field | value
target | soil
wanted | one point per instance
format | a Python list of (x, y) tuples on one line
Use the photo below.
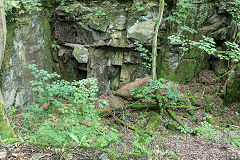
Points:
[(168, 143)]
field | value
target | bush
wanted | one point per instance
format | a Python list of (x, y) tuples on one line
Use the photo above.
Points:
[(169, 92), (65, 114)]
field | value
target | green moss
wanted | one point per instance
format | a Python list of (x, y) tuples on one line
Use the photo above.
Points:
[(193, 120), (186, 115), (9, 45), (164, 70), (48, 60), (186, 71), (211, 120), (172, 125), (193, 100), (48, 3), (5, 130), (154, 122), (194, 53), (140, 37), (232, 91)]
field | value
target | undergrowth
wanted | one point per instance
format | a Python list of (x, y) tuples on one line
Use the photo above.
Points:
[(65, 115)]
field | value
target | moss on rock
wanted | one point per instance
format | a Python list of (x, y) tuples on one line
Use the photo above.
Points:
[(5, 129), (154, 122), (172, 125), (9, 45), (185, 71), (48, 60), (232, 89)]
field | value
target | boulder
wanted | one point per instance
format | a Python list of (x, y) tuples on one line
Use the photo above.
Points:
[(232, 88)]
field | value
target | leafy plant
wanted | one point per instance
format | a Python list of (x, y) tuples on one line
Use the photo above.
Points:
[(169, 92), (184, 18), (16, 8), (70, 104), (233, 7), (141, 142), (147, 56), (185, 130), (210, 133), (55, 46), (101, 13)]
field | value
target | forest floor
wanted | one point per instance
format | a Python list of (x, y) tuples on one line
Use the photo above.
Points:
[(171, 142)]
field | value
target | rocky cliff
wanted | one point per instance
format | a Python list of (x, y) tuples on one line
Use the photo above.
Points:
[(27, 43), (97, 39)]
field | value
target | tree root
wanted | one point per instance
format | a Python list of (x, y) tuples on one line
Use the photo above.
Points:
[(135, 105), (180, 107), (138, 105), (174, 117), (154, 122), (125, 124), (127, 96), (193, 99)]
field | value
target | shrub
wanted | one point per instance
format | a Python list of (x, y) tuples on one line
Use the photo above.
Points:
[(65, 114)]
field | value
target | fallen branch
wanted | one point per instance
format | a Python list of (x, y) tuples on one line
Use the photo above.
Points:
[(228, 72), (192, 109), (125, 124), (179, 107), (174, 117), (127, 96), (135, 105), (193, 100)]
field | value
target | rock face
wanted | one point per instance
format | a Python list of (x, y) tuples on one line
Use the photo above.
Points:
[(97, 39), (2, 33), (5, 129), (26, 44), (100, 37), (232, 88), (98, 44)]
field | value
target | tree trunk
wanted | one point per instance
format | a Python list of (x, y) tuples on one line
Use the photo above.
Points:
[(154, 46), (154, 51)]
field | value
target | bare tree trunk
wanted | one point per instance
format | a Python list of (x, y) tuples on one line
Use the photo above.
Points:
[(154, 46), (154, 51)]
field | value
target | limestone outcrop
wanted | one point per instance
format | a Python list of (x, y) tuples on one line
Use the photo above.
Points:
[(97, 39), (29, 43)]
